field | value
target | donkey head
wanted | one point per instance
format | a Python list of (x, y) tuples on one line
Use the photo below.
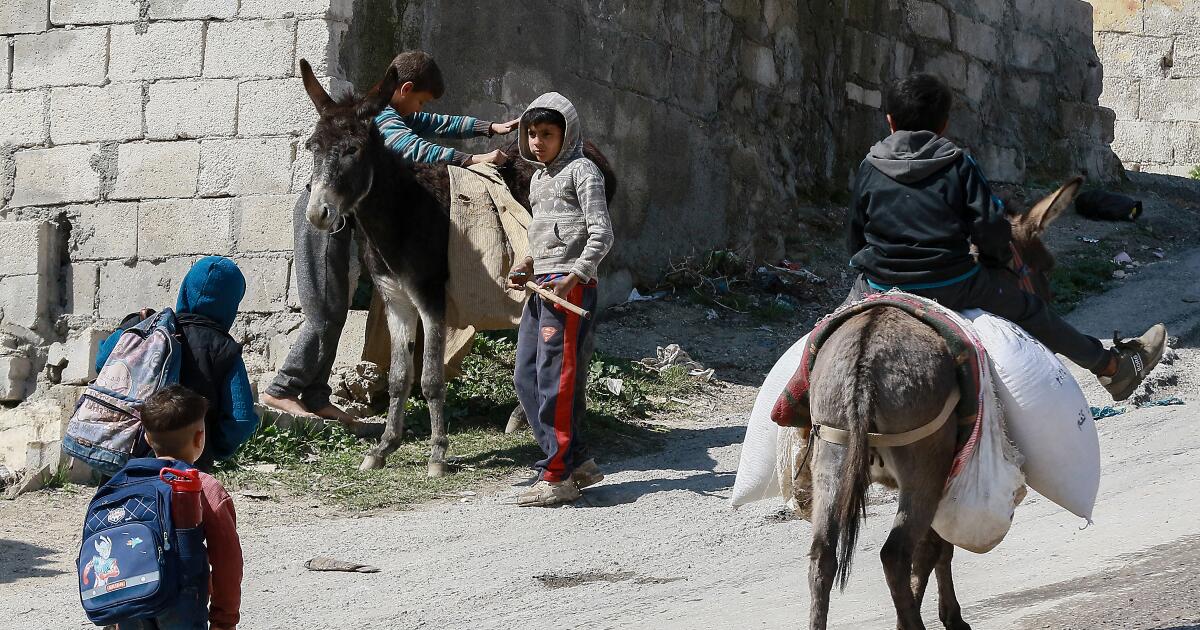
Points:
[(342, 169), (1031, 257)]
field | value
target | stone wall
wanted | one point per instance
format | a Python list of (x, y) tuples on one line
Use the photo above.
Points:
[(141, 134), (1151, 55)]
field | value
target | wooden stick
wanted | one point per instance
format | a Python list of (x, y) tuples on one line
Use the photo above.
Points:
[(549, 295)]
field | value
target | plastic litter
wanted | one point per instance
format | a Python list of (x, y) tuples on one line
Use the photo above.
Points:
[(1123, 259), (1107, 411), (1163, 402), (674, 356)]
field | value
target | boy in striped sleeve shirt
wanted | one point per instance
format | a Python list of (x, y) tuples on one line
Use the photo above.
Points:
[(322, 259)]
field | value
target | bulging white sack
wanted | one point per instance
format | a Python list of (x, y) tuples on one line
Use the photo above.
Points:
[(1047, 415), (977, 509), (757, 478)]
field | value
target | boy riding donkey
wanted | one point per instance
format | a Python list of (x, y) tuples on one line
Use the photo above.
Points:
[(323, 258), (920, 203)]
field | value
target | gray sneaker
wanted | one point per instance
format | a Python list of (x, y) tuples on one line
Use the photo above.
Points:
[(587, 474), (1135, 359)]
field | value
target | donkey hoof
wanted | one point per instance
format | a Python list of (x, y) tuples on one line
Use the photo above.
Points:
[(438, 469), (372, 462)]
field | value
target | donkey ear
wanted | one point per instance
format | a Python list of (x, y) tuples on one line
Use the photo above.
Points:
[(316, 91), (1050, 207), (379, 95)]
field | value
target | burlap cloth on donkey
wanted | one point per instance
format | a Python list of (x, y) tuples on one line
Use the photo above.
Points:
[(488, 234)]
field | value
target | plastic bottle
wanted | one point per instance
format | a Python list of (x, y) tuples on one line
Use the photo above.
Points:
[(186, 511)]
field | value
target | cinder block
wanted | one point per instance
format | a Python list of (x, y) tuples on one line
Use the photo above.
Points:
[(1185, 140), (178, 227), (1186, 60), (191, 109), (14, 377), (157, 169), (927, 19), (76, 357), (265, 222), (1116, 16), (250, 48), (103, 231), (23, 16), (5, 70), (266, 284), (353, 339), (293, 296), (246, 166), (1121, 96), (161, 50), (1132, 56), (93, 11), (1169, 18), (870, 98), (60, 57), (1133, 142), (96, 114), (302, 168), (1002, 164), (319, 41), (758, 64), (976, 39), (979, 83), (951, 67), (82, 281), (24, 117), (24, 301), (57, 175), (274, 106), (125, 289), (282, 8), (192, 9), (24, 247), (1170, 100)]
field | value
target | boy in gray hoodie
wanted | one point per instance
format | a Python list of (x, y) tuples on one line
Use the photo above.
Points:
[(569, 236)]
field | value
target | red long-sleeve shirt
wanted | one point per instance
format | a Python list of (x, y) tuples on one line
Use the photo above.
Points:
[(224, 554)]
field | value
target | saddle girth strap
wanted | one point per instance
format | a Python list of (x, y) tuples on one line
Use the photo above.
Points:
[(889, 440)]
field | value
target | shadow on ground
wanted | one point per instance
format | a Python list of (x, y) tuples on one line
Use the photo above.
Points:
[(20, 560)]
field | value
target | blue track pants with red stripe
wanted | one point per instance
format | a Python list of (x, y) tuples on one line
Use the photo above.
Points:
[(553, 350)]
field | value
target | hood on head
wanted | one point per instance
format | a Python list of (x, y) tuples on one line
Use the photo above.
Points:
[(572, 146), (910, 156), (213, 288)]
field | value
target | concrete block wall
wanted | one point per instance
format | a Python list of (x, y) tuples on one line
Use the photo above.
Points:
[(1151, 55), (142, 134), (138, 136)]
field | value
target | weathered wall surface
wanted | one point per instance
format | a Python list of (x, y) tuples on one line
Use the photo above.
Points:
[(1151, 55), (141, 134)]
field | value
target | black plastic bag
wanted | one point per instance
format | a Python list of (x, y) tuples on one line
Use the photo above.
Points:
[(1106, 206)]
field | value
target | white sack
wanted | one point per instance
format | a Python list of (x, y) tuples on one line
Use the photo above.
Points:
[(1047, 415), (756, 474)]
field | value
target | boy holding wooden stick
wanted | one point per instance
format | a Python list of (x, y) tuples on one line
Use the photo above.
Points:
[(569, 236)]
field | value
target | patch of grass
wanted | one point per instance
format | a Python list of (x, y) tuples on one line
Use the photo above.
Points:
[(1079, 275), (323, 462), (1195, 172)]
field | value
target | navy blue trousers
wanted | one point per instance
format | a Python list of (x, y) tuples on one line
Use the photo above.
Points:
[(553, 351)]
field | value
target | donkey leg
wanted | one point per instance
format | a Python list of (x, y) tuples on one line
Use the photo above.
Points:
[(926, 556), (433, 387), (826, 462), (402, 326), (948, 609), (913, 519)]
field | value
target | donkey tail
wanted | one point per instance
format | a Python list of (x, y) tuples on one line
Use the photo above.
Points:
[(855, 474)]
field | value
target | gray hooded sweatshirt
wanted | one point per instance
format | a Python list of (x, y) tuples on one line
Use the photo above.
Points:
[(571, 231)]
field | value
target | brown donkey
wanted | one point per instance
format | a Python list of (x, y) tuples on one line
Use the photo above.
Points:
[(884, 371)]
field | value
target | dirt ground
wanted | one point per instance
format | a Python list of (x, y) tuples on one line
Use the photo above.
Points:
[(656, 545)]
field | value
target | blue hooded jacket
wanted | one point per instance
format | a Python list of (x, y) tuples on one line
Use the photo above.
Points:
[(213, 288)]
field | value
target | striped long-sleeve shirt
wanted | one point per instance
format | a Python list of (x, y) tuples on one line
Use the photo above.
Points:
[(402, 134)]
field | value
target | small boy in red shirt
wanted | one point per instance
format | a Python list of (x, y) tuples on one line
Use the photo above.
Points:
[(173, 419)]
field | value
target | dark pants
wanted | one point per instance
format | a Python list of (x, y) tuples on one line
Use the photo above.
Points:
[(553, 351), (996, 292), (322, 261)]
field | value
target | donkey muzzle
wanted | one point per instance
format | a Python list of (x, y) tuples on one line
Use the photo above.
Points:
[(321, 213)]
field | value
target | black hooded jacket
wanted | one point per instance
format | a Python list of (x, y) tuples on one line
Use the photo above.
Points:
[(919, 203)]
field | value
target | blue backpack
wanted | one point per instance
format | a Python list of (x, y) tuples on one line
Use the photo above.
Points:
[(133, 562), (106, 427)]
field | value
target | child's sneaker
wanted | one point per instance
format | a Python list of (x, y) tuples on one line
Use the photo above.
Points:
[(1135, 359), (587, 474), (549, 493)]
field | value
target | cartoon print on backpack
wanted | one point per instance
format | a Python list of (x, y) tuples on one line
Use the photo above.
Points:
[(103, 565)]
